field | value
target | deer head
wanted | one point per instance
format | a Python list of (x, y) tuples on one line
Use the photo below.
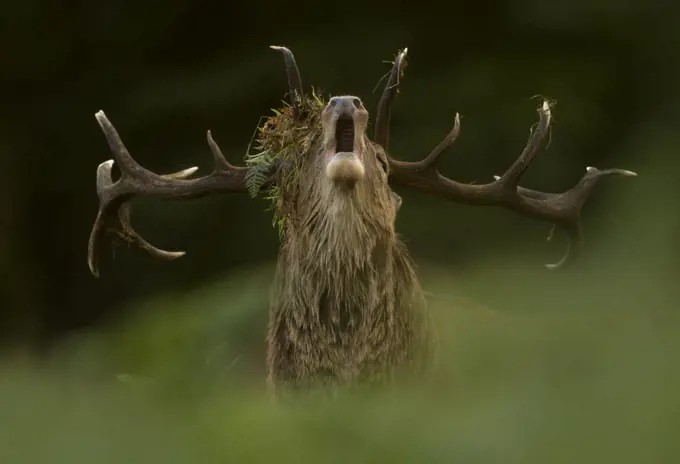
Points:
[(344, 167)]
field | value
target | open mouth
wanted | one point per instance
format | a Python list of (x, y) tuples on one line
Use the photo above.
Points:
[(344, 167), (344, 135)]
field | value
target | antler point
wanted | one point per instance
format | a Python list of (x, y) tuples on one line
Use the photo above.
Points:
[(211, 140), (102, 119), (93, 268)]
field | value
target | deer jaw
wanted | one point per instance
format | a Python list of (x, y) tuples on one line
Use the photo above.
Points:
[(344, 122)]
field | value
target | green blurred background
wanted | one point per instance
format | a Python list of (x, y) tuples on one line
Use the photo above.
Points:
[(164, 361)]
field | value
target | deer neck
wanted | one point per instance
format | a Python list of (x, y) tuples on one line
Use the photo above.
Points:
[(347, 231)]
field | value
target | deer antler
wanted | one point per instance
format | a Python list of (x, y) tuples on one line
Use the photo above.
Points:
[(294, 80), (114, 213), (562, 209), (384, 113), (114, 209)]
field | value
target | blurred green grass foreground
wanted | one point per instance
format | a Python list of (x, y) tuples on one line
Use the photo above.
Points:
[(587, 379)]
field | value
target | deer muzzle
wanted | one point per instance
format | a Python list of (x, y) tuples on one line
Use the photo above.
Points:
[(345, 168), (347, 118)]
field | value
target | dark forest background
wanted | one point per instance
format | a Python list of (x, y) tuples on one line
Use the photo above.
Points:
[(578, 365), (166, 72)]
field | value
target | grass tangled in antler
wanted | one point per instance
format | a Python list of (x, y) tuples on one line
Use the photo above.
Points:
[(285, 140)]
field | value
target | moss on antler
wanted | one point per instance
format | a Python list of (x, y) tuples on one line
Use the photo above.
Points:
[(285, 140)]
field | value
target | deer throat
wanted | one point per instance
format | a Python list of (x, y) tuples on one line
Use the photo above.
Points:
[(346, 226), (340, 256), (348, 281)]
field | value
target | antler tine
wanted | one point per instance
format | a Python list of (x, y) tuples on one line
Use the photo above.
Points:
[(116, 218), (511, 177), (574, 246), (294, 80), (384, 112), (576, 198), (114, 212), (183, 174), (562, 209)]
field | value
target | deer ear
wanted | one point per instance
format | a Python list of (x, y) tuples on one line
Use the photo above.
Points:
[(397, 201), (382, 160), (383, 164)]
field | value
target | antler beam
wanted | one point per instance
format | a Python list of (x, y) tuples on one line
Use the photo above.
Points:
[(562, 209), (114, 210), (135, 180)]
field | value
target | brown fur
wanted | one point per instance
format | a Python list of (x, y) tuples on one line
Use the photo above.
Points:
[(347, 306)]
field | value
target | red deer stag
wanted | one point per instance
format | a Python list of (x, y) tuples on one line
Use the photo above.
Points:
[(346, 304)]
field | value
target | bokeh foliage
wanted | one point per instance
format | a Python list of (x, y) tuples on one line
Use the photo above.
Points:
[(159, 361), (596, 383)]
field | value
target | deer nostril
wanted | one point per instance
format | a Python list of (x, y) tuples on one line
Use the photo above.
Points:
[(357, 103), (333, 102)]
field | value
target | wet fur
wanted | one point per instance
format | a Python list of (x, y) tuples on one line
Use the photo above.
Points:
[(347, 307)]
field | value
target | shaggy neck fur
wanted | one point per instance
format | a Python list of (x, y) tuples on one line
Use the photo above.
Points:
[(347, 305)]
